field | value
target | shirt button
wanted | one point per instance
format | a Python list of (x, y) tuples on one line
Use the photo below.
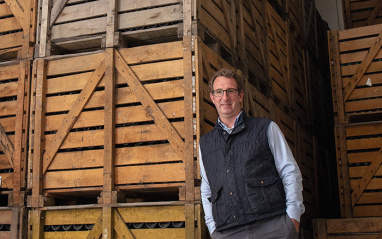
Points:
[(262, 182), (230, 193), (227, 170), (234, 216)]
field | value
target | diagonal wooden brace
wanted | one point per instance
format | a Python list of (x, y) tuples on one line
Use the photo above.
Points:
[(377, 9), (71, 117), (96, 231), (149, 104), (18, 12), (6, 145), (58, 6), (228, 22), (120, 226), (367, 176), (375, 48)]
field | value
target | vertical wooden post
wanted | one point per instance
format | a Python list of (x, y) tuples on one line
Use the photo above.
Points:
[(37, 223), (45, 29), (38, 133), (342, 160), (108, 196), (14, 223), (18, 143), (112, 13)]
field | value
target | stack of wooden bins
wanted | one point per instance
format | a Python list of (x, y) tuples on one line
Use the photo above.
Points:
[(17, 38), (17, 29), (361, 13), (356, 82), (120, 99), (14, 104)]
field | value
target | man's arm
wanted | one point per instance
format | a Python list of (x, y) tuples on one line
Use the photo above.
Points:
[(289, 173), (206, 193)]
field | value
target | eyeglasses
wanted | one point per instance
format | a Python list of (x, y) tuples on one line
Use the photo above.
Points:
[(220, 92)]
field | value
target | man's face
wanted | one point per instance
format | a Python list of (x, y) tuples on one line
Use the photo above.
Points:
[(227, 106)]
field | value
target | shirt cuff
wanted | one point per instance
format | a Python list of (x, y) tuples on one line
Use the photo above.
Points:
[(294, 213)]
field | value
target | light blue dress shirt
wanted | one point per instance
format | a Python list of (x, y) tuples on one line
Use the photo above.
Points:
[(286, 167)]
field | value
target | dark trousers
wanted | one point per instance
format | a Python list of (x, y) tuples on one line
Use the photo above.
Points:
[(281, 227)]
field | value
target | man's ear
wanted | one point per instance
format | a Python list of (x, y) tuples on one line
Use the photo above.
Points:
[(212, 97), (241, 95)]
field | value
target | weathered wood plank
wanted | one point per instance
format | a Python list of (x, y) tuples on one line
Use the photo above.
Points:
[(173, 89), (71, 216), (124, 156), (156, 173), (152, 214), (132, 134), (124, 115)]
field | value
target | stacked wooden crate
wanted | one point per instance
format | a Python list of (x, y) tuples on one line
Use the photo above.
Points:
[(120, 98), (17, 29), (361, 13), (17, 38), (14, 105), (355, 56)]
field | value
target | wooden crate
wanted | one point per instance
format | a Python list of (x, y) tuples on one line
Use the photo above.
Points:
[(355, 57), (215, 23), (14, 105), (74, 26), (361, 13), (13, 222), (17, 29), (278, 56), (349, 228), (252, 40), (155, 221), (151, 92), (78, 26), (359, 171)]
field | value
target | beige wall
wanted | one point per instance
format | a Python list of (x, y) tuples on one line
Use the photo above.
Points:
[(331, 11)]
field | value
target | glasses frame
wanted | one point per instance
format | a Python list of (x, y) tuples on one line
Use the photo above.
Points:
[(234, 92)]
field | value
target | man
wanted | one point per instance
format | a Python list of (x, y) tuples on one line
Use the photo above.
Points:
[(251, 184)]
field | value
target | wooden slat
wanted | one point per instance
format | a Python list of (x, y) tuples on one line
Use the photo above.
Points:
[(18, 12), (363, 67), (124, 115), (133, 134), (124, 156), (151, 107), (152, 214), (7, 146), (11, 40), (70, 119), (136, 174), (72, 216)]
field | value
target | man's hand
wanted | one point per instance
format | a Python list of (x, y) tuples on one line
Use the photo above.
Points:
[(296, 225)]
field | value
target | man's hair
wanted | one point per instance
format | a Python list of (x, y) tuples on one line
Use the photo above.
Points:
[(229, 74)]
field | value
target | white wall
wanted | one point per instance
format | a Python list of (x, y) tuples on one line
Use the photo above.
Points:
[(331, 11)]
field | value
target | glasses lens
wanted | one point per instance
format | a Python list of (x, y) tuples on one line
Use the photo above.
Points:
[(218, 92), (231, 92)]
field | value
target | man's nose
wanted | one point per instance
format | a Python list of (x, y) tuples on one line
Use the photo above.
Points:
[(225, 95)]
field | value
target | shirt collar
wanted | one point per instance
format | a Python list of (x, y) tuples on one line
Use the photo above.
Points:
[(238, 120)]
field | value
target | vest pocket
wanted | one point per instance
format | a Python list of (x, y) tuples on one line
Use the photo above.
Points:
[(218, 206), (264, 194)]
